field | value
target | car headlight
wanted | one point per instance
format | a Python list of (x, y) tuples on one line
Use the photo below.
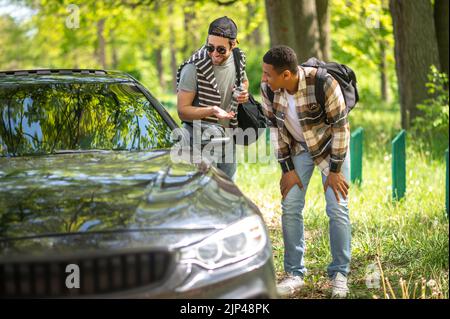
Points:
[(232, 244)]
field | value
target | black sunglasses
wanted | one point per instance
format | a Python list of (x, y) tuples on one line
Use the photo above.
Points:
[(220, 49)]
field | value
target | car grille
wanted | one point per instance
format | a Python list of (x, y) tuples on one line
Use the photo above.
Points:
[(98, 275)]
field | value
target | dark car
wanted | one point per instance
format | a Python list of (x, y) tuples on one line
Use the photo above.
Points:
[(91, 204)]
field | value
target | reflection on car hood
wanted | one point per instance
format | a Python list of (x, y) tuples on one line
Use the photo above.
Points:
[(111, 192), (99, 242)]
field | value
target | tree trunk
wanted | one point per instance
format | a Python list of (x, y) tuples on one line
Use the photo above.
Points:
[(383, 72), (160, 68), (192, 36), (306, 29), (441, 24), (280, 21), (415, 51), (114, 54), (323, 19), (173, 56), (384, 86), (294, 23), (101, 55), (173, 65), (255, 37)]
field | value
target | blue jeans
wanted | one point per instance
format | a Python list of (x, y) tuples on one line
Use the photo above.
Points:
[(292, 221), (229, 168), (222, 163)]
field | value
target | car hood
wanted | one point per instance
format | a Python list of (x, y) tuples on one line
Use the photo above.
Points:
[(101, 199)]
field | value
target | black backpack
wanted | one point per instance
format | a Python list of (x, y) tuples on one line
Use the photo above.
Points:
[(340, 72), (250, 114)]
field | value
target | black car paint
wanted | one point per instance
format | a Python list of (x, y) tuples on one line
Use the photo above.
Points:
[(89, 202)]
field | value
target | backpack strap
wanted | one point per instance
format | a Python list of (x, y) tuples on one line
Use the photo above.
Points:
[(321, 77), (319, 89), (237, 62)]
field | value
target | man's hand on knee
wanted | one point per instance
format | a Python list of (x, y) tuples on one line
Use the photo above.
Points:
[(338, 184), (288, 180)]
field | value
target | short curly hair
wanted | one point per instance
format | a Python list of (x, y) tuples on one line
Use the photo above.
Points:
[(282, 58)]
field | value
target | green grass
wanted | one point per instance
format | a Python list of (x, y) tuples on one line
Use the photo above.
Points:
[(409, 238), (405, 240)]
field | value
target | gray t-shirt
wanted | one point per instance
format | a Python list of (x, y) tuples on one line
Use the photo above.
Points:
[(225, 77)]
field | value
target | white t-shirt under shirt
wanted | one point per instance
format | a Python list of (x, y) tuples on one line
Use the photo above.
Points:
[(291, 120)]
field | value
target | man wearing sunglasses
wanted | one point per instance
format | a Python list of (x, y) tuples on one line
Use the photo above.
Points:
[(206, 82)]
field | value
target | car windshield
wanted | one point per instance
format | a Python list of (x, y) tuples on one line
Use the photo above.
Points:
[(45, 118)]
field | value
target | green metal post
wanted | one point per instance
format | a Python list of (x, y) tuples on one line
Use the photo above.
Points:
[(399, 166), (356, 153)]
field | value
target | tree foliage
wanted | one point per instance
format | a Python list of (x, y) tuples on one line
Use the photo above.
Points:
[(433, 126), (150, 38), (133, 34)]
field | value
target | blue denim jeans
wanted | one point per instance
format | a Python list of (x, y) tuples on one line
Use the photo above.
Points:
[(292, 221), (227, 164), (229, 168)]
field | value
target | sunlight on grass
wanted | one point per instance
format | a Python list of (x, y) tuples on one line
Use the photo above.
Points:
[(409, 238)]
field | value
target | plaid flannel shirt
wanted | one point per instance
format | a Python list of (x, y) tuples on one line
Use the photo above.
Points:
[(326, 135)]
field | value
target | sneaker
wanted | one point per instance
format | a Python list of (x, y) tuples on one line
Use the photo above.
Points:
[(290, 285), (339, 288)]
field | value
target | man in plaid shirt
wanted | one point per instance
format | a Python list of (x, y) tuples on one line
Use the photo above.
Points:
[(308, 135)]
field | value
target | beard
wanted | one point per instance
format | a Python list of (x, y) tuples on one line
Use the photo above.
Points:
[(220, 60)]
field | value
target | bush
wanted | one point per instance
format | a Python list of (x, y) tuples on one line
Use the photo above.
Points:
[(254, 68), (432, 127)]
